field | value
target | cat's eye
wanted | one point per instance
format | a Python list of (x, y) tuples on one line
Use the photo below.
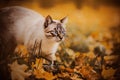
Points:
[(53, 34), (49, 31)]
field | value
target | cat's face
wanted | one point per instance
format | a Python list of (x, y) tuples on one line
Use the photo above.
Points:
[(54, 29)]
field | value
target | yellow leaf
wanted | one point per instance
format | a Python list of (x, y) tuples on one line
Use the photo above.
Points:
[(43, 74), (21, 49), (39, 72), (38, 64)]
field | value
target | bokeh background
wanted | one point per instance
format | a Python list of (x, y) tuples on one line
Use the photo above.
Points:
[(91, 24), (86, 14)]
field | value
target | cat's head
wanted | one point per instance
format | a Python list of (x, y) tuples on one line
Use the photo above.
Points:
[(55, 29)]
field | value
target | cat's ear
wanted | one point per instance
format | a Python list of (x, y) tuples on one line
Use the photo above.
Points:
[(64, 20), (48, 20)]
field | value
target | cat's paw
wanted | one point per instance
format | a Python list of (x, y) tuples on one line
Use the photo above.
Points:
[(53, 64)]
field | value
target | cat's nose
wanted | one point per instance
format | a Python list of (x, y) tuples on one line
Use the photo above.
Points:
[(60, 37)]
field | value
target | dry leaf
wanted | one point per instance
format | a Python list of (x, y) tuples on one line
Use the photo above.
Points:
[(38, 63), (43, 74), (89, 73), (22, 50), (18, 71), (39, 72)]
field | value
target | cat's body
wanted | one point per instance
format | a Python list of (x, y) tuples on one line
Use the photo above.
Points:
[(25, 26)]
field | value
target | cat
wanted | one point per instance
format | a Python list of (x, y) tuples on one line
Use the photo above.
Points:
[(25, 26)]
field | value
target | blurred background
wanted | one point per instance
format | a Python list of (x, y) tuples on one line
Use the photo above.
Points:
[(86, 14)]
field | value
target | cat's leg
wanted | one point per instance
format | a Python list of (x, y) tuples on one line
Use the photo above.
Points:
[(53, 59)]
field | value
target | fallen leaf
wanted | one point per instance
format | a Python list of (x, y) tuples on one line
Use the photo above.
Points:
[(18, 71), (39, 72), (21, 49)]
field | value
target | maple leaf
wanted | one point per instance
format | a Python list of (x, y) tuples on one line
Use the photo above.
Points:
[(39, 72), (18, 71)]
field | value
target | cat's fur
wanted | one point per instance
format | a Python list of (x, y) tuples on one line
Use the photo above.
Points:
[(25, 26)]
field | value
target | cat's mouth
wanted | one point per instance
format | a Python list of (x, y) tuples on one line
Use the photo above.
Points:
[(59, 39)]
